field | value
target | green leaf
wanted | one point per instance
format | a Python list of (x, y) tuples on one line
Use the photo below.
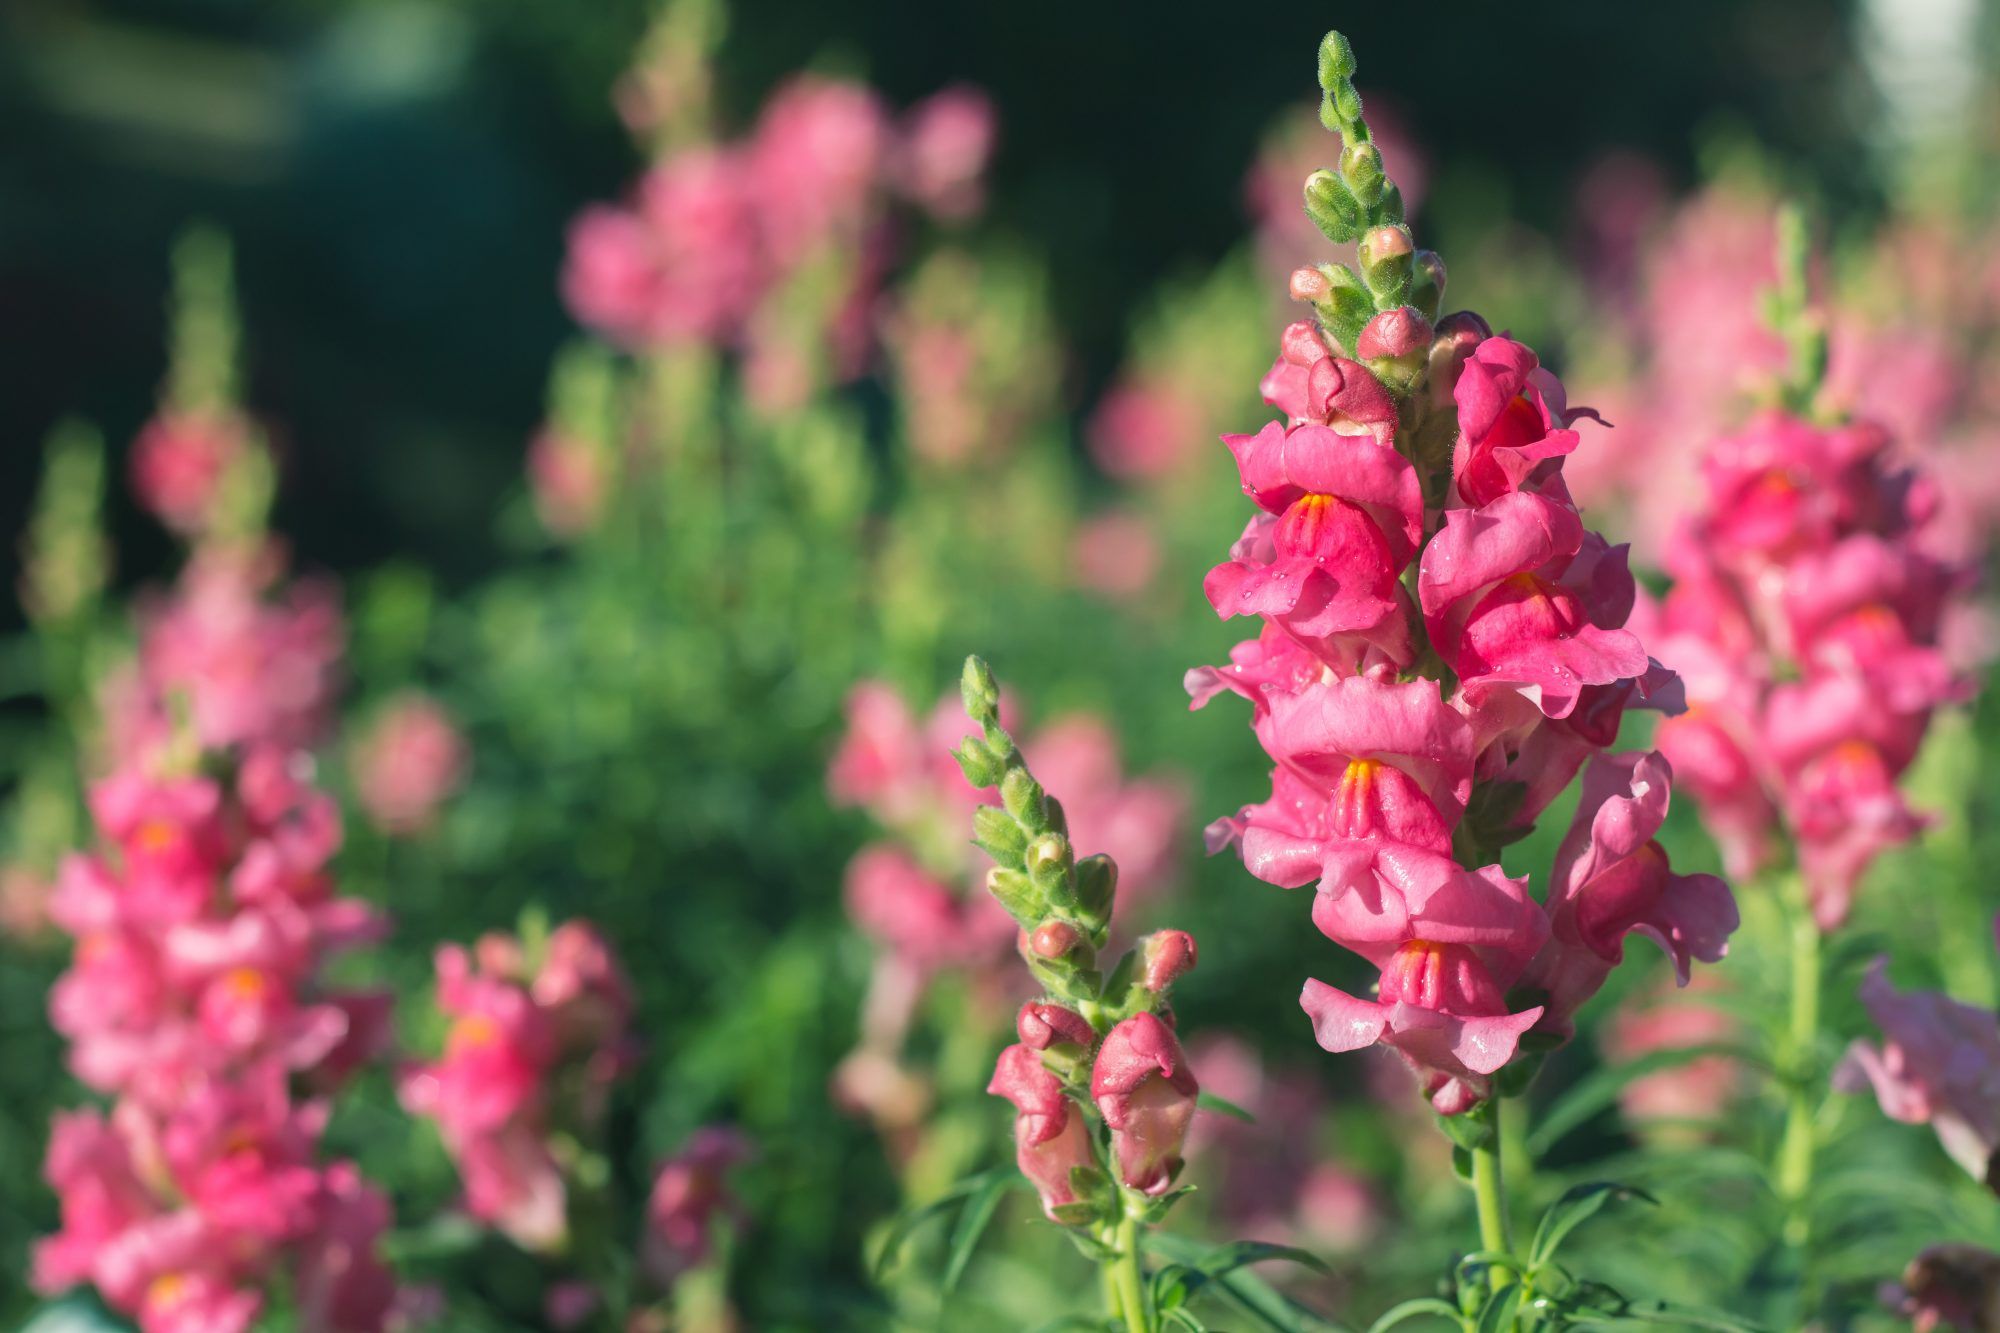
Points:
[(972, 1225), (1248, 1292), (908, 1222), (1600, 1090), (1497, 1315), (1228, 1258), (1208, 1101), (1578, 1205), (1182, 1319), (1408, 1310)]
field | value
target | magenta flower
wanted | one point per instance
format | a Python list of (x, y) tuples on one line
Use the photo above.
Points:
[(682, 263), (1439, 1008), (1051, 1137), (409, 761), (1611, 878), (940, 160), (1347, 516), (1513, 427), (1517, 595), (1145, 1090), (179, 462), (1938, 1064), (690, 1200)]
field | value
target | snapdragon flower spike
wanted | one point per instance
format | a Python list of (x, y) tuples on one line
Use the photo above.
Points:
[(1097, 1041), (1807, 618), (1445, 645)]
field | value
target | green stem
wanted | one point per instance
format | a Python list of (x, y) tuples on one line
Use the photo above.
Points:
[(1795, 1153), (1490, 1191), (1125, 1278)]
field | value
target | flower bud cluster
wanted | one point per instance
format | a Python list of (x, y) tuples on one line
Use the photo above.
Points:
[(1095, 1041)]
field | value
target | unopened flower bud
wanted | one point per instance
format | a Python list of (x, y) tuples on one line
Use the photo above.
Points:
[(1427, 290), (997, 834), (1049, 857), (1332, 206), (1042, 1025), (1168, 955), (982, 767), (1388, 264), (1309, 284), (1054, 939), (1336, 60), (1096, 886), (1146, 1092), (1023, 797), (1015, 892), (1400, 332), (1361, 168), (1300, 343), (980, 692), (1051, 1139)]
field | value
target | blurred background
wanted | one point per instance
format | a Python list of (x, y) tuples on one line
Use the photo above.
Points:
[(398, 176), (648, 634)]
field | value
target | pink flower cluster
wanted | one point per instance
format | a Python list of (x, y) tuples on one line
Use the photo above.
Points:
[(533, 1048), (1805, 620), (194, 1000), (713, 230), (180, 463), (1418, 723), (1140, 1082), (249, 661), (407, 764)]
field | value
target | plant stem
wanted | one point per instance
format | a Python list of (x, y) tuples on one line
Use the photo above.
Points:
[(1490, 1192), (1125, 1278), (1795, 1153)]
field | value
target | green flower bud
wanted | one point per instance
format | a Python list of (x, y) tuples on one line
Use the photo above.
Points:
[(1024, 799), (1017, 893), (1332, 206), (980, 692), (1427, 289), (982, 767), (1361, 169), (999, 836), (1388, 264), (1096, 886), (1336, 60), (1049, 859)]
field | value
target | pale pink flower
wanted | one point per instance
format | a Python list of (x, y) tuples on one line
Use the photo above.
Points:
[(408, 762)]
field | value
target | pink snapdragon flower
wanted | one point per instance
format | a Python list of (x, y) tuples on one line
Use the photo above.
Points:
[(1145, 1090), (252, 663), (691, 1201), (1391, 787), (681, 262), (407, 763), (1938, 1064), (1611, 879), (179, 463), (532, 1049), (945, 143), (1051, 1136)]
